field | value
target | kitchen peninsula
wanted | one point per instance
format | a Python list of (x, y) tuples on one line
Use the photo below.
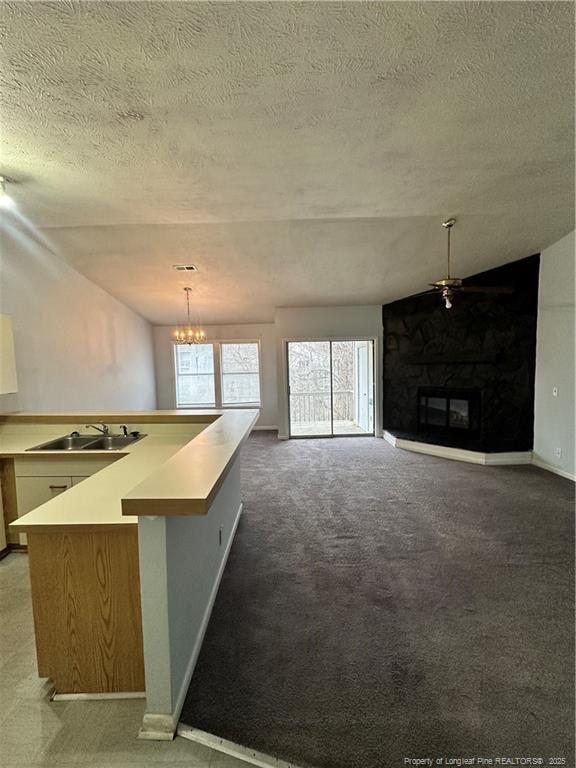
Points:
[(126, 559)]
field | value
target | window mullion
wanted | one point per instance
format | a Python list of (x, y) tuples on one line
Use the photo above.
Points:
[(217, 347)]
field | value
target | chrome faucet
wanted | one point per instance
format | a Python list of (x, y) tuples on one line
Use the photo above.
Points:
[(105, 429), (124, 429)]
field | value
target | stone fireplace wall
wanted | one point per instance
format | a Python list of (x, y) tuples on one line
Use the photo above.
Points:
[(485, 341)]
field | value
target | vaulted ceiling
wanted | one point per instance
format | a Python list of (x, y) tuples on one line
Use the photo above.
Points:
[(297, 153)]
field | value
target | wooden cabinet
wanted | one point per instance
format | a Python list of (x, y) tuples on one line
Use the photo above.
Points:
[(85, 583), (87, 614)]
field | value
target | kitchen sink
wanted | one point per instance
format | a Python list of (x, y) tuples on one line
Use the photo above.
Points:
[(113, 442), (67, 443), (88, 442)]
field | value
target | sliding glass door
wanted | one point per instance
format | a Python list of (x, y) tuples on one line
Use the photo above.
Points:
[(331, 388), (309, 385)]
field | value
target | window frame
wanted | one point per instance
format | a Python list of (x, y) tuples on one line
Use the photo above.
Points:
[(177, 374), (217, 356), (221, 373)]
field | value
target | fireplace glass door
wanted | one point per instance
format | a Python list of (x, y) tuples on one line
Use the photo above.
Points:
[(446, 409), (458, 413)]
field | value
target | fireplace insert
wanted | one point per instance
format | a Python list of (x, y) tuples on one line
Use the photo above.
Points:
[(448, 409)]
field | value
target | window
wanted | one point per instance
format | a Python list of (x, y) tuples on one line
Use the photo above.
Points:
[(195, 375), (218, 374), (240, 373)]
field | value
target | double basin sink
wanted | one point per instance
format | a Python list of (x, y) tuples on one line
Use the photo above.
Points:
[(88, 443)]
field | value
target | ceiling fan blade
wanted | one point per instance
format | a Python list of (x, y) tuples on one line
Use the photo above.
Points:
[(495, 289), (425, 293)]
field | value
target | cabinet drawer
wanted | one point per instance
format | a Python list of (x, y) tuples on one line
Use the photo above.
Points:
[(31, 492)]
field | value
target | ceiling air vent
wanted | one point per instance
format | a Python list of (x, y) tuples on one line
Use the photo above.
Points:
[(185, 267)]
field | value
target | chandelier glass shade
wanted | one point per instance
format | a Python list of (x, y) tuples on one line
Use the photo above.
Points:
[(189, 333)]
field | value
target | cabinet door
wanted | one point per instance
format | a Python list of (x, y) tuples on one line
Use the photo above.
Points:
[(31, 492), (76, 480)]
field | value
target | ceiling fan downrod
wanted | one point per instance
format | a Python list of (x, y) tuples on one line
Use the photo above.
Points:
[(449, 286), (448, 224)]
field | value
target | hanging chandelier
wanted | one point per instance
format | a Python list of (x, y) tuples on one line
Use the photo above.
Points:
[(189, 334)]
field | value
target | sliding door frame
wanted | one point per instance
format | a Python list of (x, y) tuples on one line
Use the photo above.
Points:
[(331, 340), (287, 343)]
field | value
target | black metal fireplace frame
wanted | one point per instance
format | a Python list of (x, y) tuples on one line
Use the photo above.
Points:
[(472, 395)]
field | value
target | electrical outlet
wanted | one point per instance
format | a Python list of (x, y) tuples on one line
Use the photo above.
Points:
[(558, 453), (554, 391)]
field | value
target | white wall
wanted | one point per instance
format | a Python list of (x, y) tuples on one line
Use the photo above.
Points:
[(264, 332), (76, 346), (177, 551), (554, 417), (348, 322)]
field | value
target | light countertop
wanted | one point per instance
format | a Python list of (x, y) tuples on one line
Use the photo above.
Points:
[(176, 469)]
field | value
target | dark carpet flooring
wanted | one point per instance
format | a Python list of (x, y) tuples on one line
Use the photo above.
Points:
[(380, 604)]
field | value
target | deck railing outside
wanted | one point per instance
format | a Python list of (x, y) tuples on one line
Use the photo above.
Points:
[(312, 407)]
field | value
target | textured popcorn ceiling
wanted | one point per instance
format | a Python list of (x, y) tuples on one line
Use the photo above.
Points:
[(298, 153)]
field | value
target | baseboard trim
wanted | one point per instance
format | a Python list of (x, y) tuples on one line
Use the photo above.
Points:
[(389, 437), (551, 468), (283, 437), (476, 457), (98, 696), (162, 726), (460, 454), (508, 458), (4, 553), (264, 429), (22, 548), (230, 748)]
